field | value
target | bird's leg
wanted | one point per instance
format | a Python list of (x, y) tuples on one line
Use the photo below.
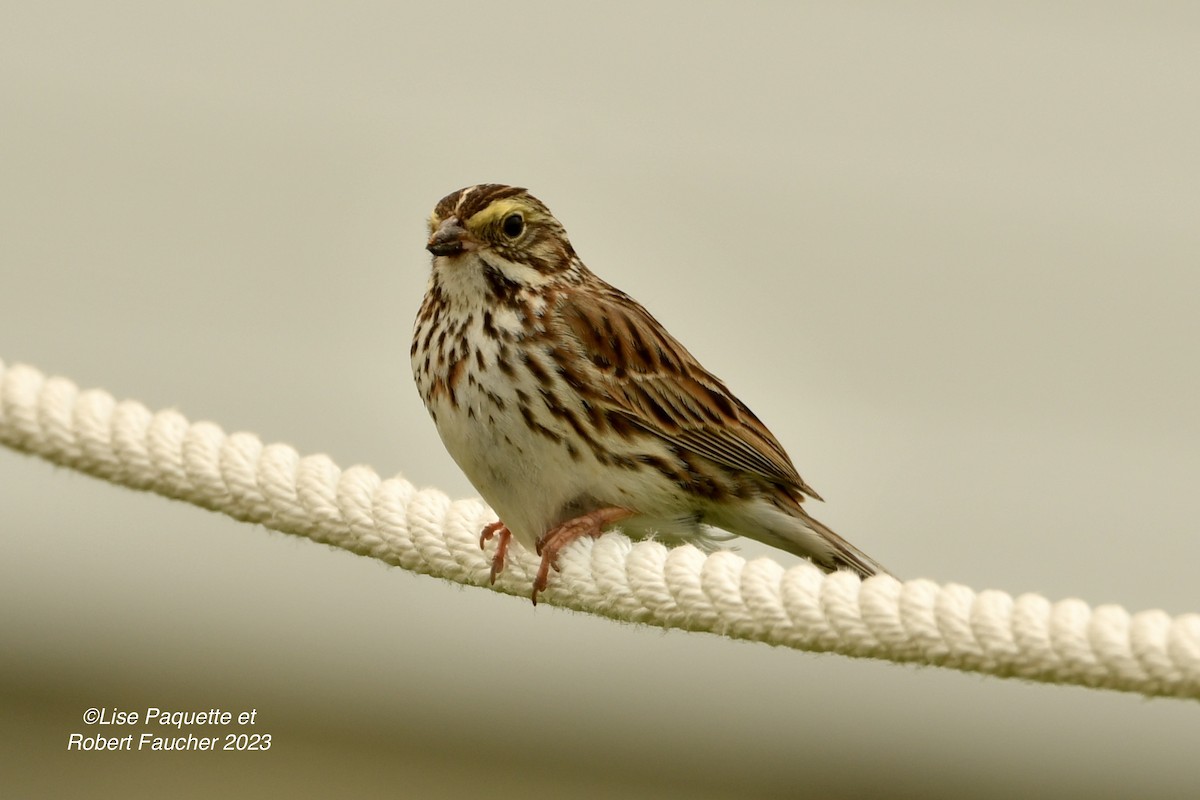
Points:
[(505, 534), (589, 524)]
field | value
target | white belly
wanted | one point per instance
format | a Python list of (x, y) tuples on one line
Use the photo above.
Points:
[(528, 479)]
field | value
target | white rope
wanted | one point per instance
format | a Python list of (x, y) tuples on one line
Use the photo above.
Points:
[(421, 530)]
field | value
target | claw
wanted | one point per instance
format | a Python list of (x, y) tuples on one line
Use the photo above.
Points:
[(501, 554), (548, 546), (490, 530)]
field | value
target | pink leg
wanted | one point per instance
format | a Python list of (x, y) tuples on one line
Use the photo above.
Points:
[(505, 534), (589, 524)]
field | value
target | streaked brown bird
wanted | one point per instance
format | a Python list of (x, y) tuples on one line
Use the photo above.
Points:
[(571, 409)]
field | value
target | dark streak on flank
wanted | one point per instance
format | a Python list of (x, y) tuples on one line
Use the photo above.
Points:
[(502, 361), (535, 367), (489, 326), (657, 463), (700, 481), (496, 400), (531, 421), (453, 376)]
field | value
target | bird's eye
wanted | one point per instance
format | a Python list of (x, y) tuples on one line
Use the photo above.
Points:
[(513, 226)]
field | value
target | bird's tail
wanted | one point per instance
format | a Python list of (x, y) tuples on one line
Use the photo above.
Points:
[(782, 522), (842, 554)]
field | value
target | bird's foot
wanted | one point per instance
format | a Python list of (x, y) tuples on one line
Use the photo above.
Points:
[(548, 547), (496, 528)]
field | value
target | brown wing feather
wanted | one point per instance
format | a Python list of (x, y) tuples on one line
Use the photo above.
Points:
[(653, 381)]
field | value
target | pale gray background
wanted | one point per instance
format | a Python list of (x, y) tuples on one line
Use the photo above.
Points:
[(950, 254)]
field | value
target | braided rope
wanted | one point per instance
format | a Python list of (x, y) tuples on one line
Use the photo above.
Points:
[(423, 531)]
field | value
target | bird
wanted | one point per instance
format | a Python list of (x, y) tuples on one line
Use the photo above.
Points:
[(571, 409)]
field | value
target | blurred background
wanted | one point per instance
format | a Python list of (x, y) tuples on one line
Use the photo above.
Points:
[(948, 253)]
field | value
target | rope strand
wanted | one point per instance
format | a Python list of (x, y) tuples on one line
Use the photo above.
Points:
[(917, 621)]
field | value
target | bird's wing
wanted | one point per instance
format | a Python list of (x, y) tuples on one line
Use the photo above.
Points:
[(649, 378)]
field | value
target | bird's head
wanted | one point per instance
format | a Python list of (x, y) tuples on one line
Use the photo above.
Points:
[(502, 228)]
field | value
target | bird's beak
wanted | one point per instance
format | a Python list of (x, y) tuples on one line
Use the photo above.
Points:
[(450, 239)]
